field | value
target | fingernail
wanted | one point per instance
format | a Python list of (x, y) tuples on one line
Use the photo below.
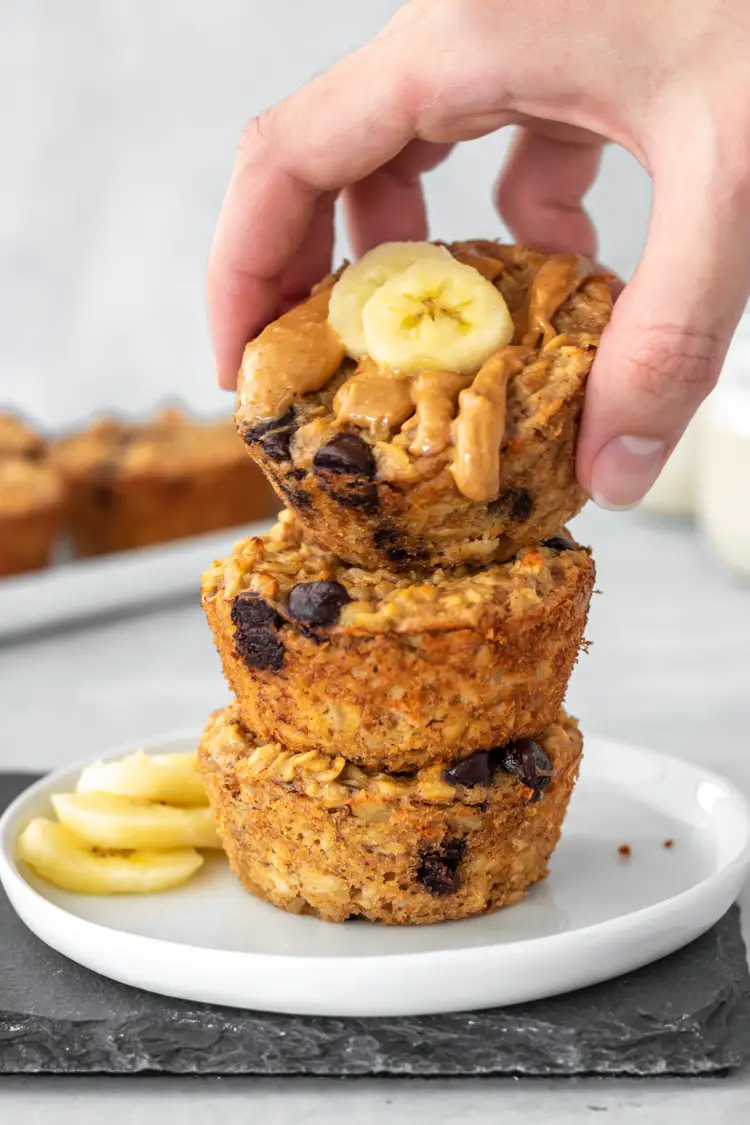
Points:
[(624, 470)]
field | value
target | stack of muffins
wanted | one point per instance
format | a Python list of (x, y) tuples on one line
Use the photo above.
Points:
[(400, 643)]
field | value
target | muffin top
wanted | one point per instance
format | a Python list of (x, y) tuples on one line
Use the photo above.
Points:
[(437, 355), (282, 577), (228, 746), (26, 478), (26, 484), (17, 439), (170, 444)]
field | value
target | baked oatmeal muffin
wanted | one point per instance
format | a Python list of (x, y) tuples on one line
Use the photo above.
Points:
[(313, 833), (132, 485), (421, 408), (32, 499), (395, 670), (18, 439)]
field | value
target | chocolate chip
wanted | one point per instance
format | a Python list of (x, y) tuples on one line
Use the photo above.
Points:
[(526, 759), (438, 871), (397, 554), (317, 603), (260, 649), (389, 541), (296, 497), (384, 537), (558, 543), (255, 635), (436, 876), (250, 611), (353, 495), (285, 422), (454, 851), (475, 770), (346, 453), (514, 503), (276, 445)]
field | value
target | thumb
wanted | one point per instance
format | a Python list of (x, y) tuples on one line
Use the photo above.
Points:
[(662, 353)]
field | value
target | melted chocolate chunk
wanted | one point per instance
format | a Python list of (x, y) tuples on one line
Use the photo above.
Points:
[(389, 541), (386, 540), (255, 636), (260, 649), (287, 421), (354, 496), (384, 537), (526, 759), (523, 758), (558, 543), (514, 502), (317, 603), (346, 453), (475, 770), (276, 445), (438, 872), (251, 612), (454, 851), (296, 497), (397, 554)]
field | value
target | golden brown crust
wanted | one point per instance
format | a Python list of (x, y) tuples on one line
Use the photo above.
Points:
[(415, 670), (136, 485), (27, 539), (404, 510), (32, 499), (312, 834)]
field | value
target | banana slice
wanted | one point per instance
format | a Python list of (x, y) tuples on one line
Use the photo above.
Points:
[(61, 858), (107, 820), (358, 282), (436, 314), (172, 778)]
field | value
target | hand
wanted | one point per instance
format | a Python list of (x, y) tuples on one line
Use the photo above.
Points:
[(669, 81)]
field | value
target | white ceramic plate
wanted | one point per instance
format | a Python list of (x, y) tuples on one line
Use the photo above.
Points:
[(596, 916), (77, 589)]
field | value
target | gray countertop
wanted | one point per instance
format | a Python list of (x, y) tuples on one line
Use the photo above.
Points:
[(669, 668)]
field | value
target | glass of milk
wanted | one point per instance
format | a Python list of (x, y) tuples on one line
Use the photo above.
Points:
[(723, 477), (674, 493)]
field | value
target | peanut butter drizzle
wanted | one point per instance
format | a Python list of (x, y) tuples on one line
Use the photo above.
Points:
[(435, 394), (491, 268), (374, 397), (296, 354), (479, 428), (557, 279)]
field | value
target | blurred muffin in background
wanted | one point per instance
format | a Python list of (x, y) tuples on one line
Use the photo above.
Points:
[(135, 484), (32, 498)]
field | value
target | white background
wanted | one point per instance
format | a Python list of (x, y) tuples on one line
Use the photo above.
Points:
[(118, 122)]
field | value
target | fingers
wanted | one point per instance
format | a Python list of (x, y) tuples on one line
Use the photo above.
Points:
[(313, 258), (540, 191), (243, 282), (278, 208), (670, 329), (388, 205)]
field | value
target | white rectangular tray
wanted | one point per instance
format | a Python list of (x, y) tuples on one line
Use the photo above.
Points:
[(68, 592)]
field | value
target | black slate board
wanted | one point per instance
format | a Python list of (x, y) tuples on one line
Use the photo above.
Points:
[(688, 1014)]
